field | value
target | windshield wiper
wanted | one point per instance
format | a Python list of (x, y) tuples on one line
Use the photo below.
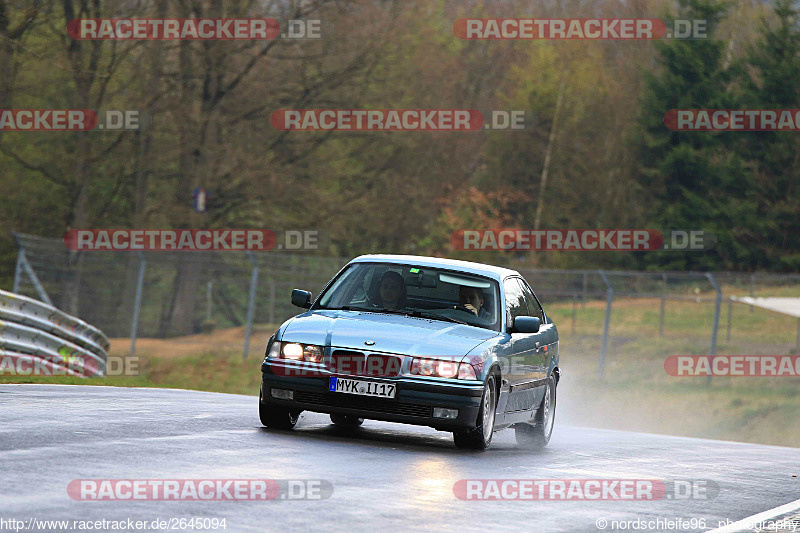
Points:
[(424, 314), (407, 312), (373, 310)]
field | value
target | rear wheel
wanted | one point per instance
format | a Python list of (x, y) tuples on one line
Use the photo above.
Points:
[(346, 420), (276, 416), (537, 435), (480, 437)]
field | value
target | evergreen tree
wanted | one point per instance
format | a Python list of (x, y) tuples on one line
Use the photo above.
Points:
[(695, 180), (769, 78)]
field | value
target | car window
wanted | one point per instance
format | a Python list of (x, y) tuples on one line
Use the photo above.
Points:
[(534, 309), (418, 291), (515, 300)]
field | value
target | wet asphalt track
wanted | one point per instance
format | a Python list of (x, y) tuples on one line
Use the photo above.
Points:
[(385, 477)]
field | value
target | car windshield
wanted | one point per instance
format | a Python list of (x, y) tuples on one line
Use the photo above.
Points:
[(416, 291)]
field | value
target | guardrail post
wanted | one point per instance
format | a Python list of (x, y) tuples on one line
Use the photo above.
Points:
[(609, 300), (251, 302), (137, 302), (663, 305), (717, 304)]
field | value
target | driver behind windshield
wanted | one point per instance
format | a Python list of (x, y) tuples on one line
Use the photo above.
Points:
[(392, 291), (472, 299)]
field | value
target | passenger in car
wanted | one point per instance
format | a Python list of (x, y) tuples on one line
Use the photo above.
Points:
[(392, 291), (472, 299)]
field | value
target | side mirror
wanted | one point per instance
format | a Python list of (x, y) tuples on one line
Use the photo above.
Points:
[(526, 324), (302, 298)]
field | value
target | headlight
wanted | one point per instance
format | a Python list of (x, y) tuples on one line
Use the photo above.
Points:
[(312, 354), (296, 352), (292, 350), (442, 369)]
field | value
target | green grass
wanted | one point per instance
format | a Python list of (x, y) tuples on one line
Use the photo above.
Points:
[(683, 319), (213, 372)]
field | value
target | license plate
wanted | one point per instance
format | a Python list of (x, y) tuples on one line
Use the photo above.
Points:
[(363, 388)]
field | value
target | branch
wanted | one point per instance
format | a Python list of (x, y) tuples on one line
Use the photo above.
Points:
[(35, 168)]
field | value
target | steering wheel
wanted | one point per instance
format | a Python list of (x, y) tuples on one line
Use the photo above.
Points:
[(369, 300), (460, 307)]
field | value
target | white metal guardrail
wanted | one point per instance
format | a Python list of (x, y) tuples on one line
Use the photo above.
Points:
[(48, 340)]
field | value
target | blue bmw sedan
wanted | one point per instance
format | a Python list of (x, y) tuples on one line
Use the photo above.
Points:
[(455, 345)]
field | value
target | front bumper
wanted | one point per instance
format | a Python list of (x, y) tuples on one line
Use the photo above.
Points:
[(413, 402)]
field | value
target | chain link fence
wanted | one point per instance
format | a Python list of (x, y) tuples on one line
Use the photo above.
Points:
[(178, 293), (165, 294)]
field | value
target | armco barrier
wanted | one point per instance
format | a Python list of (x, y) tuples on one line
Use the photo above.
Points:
[(45, 337)]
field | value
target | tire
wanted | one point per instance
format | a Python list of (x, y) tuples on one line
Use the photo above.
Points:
[(480, 437), (346, 420), (537, 435), (276, 416)]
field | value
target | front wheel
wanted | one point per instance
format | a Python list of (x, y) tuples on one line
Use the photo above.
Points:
[(480, 437), (537, 435), (275, 416)]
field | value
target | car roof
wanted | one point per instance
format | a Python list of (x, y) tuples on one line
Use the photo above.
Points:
[(490, 271)]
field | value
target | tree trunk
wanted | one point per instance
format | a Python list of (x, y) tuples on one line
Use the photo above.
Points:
[(547, 154)]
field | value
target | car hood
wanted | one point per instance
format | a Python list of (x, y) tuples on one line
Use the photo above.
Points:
[(390, 333)]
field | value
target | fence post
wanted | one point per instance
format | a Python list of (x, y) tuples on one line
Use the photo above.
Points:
[(209, 284), (22, 262), (609, 300), (251, 302), (137, 301), (574, 312), (585, 286), (663, 305), (797, 341), (752, 292), (717, 304), (730, 319), (18, 269), (272, 301)]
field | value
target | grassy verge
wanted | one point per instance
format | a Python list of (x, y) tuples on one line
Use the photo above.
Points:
[(211, 371)]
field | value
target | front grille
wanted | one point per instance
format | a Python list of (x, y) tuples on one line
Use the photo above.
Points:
[(346, 362), (355, 363), (378, 405), (379, 364)]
